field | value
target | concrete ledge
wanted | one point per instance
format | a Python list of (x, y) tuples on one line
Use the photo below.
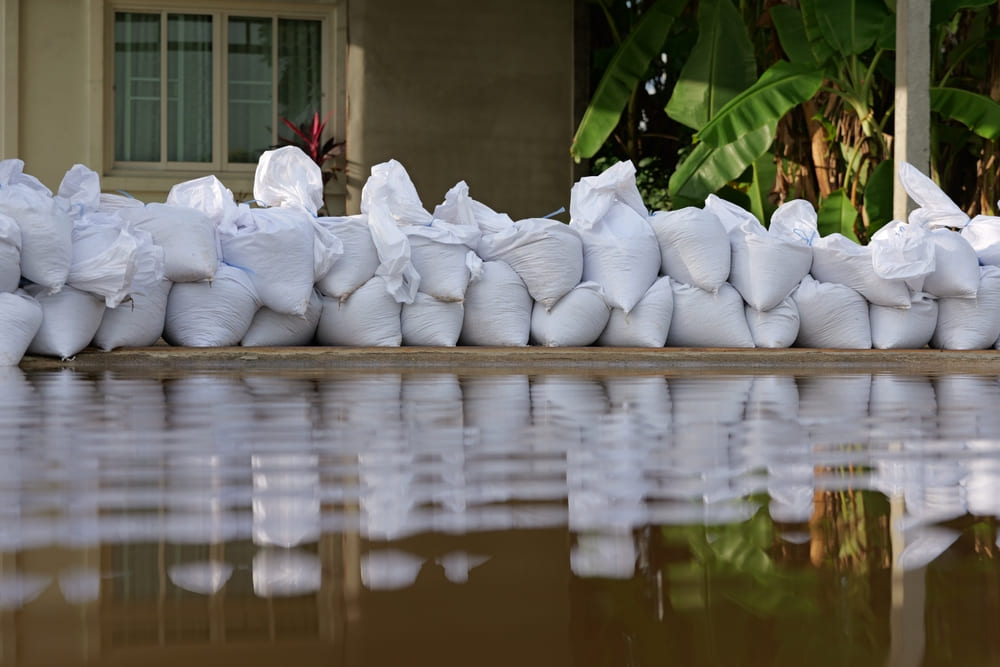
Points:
[(163, 358)]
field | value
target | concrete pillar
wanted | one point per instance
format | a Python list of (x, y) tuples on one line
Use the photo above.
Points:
[(911, 142), (8, 78)]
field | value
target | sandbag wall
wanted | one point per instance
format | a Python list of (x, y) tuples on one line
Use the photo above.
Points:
[(81, 268)]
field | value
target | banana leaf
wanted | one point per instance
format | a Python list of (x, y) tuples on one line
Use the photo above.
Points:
[(977, 112), (837, 215), (817, 43), (850, 26), (878, 196), (707, 168), (792, 33), (720, 65), (943, 10), (764, 172), (782, 87), (627, 68)]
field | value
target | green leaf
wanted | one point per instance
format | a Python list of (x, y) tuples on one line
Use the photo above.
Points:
[(887, 36), (792, 33), (878, 196), (720, 65), (943, 10), (850, 26), (707, 168), (819, 46), (837, 215), (764, 172), (977, 112), (783, 86), (626, 70)]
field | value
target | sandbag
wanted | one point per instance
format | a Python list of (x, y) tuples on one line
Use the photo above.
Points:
[(729, 214), (936, 209), (576, 320), (369, 317), (839, 260), (136, 322), (288, 178), (704, 319), (70, 318), (983, 234), (189, 240), (360, 258), (904, 328), (766, 267), (694, 247), (545, 253), (831, 315), (211, 314), (970, 324), (648, 323), (105, 257), (956, 266), (620, 250), (272, 329), (10, 254), (21, 315), (497, 308), (431, 322), (777, 327), (903, 251)]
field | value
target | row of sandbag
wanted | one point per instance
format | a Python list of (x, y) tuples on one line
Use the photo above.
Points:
[(219, 273)]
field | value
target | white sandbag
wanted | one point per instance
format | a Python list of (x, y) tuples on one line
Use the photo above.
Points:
[(273, 329), (936, 209), (983, 234), (286, 177), (704, 319), (904, 328), (620, 250), (189, 240), (21, 315), (694, 247), (211, 314), (445, 267), (903, 251), (359, 260), (839, 260), (956, 266), (275, 247), (208, 195), (970, 324), (648, 323), (831, 315), (10, 254), (497, 308), (105, 257), (729, 214), (774, 328), (431, 322), (327, 249), (136, 322), (576, 320), (369, 317), (70, 319), (766, 267), (46, 228), (80, 190), (545, 253)]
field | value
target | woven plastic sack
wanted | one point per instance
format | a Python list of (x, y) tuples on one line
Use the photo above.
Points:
[(369, 317), (956, 266), (620, 250), (648, 323), (497, 308), (286, 177), (10, 254), (105, 257), (694, 247), (704, 319), (831, 315), (431, 322), (211, 314), (281, 330), (188, 237), (21, 315), (70, 318), (774, 328), (359, 260), (576, 320), (936, 209), (902, 251), (983, 234), (839, 260), (766, 267), (970, 324), (136, 322), (904, 328)]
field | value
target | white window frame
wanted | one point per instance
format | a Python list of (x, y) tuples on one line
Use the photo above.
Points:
[(329, 12)]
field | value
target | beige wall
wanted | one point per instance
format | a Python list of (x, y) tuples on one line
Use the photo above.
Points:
[(481, 92)]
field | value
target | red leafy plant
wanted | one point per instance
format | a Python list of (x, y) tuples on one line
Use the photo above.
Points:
[(309, 137)]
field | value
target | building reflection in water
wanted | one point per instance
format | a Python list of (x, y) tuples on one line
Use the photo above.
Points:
[(581, 518)]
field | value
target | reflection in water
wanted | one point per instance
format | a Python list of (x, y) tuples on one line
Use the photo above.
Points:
[(585, 519)]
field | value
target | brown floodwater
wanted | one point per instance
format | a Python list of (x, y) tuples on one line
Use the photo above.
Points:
[(374, 518)]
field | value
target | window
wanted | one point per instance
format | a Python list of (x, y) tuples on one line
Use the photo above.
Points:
[(205, 90)]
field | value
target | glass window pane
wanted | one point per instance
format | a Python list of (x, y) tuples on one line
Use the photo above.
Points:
[(137, 87), (189, 88), (250, 88), (299, 65)]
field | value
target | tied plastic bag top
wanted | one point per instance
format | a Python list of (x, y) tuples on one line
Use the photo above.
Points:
[(80, 190), (936, 208), (902, 251), (620, 250), (105, 257), (287, 177)]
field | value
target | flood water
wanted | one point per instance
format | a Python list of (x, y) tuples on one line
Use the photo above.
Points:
[(493, 519)]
